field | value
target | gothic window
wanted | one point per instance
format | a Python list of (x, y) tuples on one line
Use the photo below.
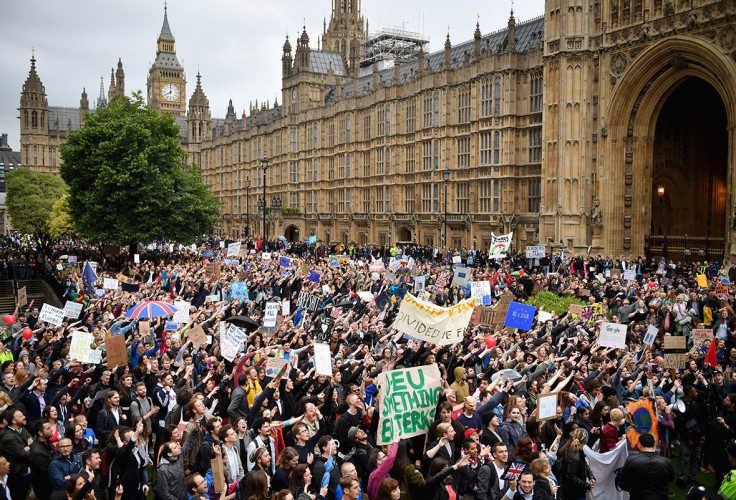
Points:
[(43, 155), (436, 109), (347, 165), (484, 196), (25, 119), (388, 119), (381, 122), (535, 93), (436, 155), (411, 111), (35, 155), (347, 128), (293, 200), (34, 119), (239, 153), (427, 111), (342, 6), (427, 198), (409, 199), (463, 105), (463, 152), (367, 127), (379, 199), (331, 134), (331, 168), (496, 196), (486, 98), (292, 172), (380, 161), (388, 199), (497, 97), (366, 200), (52, 154), (366, 163), (435, 198), (350, 6), (292, 139), (314, 172), (535, 145), (314, 133), (331, 202), (496, 147), (463, 198), (222, 156), (485, 147), (535, 195), (341, 167), (410, 163), (427, 155)]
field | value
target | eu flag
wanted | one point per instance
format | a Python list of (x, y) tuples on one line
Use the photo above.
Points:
[(314, 276), (284, 261), (89, 278)]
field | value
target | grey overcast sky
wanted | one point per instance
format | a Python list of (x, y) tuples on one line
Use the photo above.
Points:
[(235, 44)]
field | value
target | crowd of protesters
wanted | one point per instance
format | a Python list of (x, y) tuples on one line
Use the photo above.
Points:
[(181, 422)]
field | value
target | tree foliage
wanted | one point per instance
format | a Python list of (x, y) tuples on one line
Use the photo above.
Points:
[(30, 198), (128, 179), (553, 302), (60, 219)]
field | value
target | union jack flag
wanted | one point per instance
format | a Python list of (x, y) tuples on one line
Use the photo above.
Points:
[(514, 470)]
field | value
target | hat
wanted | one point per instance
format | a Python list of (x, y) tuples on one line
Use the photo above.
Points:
[(470, 432), (352, 432)]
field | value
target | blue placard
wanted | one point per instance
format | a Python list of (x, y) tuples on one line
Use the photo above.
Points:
[(172, 325), (312, 239), (520, 316), (99, 292), (486, 300), (725, 281)]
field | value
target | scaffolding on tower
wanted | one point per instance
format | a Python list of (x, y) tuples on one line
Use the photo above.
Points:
[(388, 44)]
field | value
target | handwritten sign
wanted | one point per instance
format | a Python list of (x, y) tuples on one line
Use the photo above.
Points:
[(534, 252), (274, 366), (675, 352), (197, 335), (630, 275), (547, 406), (408, 402), (182, 315), (233, 249), (22, 297), (651, 335), (700, 335), (478, 289), (323, 359), (702, 281), (52, 315), (81, 345), (721, 290), (271, 314), (117, 355), (72, 309), (110, 284), (484, 316)]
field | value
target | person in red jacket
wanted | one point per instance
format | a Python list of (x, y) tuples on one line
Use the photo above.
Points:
[(609, 434)]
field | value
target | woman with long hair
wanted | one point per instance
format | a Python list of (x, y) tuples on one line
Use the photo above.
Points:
[(241, 427), (259, 486), (439, 479), (524, 450), (52, 414), (599, 415), (543, 478), (126, 391), (282, 495), (299, 484), (388, 490), (405, 472), (288, 459), (75, 432), (512, 428), (578, 479)]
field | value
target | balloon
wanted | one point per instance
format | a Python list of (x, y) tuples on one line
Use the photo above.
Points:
[(9, 319), (27, 333), (490, 342)]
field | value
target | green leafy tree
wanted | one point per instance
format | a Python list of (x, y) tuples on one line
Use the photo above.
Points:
[(60, 220), (30, 198), (128, 179)]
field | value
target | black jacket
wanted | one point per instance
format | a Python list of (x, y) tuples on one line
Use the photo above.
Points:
[(41, 456), (575, 480), (13, 445), (650, 474)]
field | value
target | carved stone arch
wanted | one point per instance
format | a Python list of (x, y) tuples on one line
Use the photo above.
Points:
[(633, 111)]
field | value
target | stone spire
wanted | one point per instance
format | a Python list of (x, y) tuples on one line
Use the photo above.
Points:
[(120, 78), (448, 52), (112, 90), (476, 45), (102, 100), (512, 32), (199, 119)]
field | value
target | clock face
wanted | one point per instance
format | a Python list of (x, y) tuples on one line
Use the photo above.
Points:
[(170, 92), (293, 94)]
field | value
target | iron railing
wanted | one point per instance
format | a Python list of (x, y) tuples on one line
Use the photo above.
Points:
[(685, 248)]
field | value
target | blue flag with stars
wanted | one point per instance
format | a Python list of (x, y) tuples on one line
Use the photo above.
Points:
[(314, 276), (89, 278)]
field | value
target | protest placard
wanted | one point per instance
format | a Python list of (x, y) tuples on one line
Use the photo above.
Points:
[(543, 316), (408, 402), (266, 256), (456, 259), (502, 308), (144, 328), (72, 309), (547, 406), (274, 366), (172, 326), (700, 335), (613, 335), (376, 267), (419, 284), (721, 290), (307, 301), (499, 245), (520, 316), (52, 315), (484, 316), (461, 276), (81, 345), (323, 359), (480, 288), (675, 352), (218, 475), (651, 335), (212, 270), (615, 273), (630, 275), (239, 291), (117, 354), (426, 321), (94, 356), (286, 308), (136, 258), (233, 249), (182, 315), (72, 259), (702, 281), (534, 252), (197, 336), (110, 284), (22, 297), (575, 309), (271, 314)]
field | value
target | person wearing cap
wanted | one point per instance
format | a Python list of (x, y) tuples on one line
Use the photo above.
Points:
[(359, 453), (609, 434), (647, 474)]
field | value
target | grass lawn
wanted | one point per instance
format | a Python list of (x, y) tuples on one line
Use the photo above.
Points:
[(707, 480)]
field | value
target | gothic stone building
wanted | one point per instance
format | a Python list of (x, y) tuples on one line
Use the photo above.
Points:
[(603, 123)]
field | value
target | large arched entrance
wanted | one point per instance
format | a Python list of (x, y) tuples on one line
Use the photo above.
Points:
[(689, 170), (655, 141), (292, 234), (404, 234)]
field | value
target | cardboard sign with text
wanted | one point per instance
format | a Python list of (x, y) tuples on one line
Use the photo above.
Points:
[(117, 354), (197, 336), (212, 270), (483, 316), (675, 352), (22, 297), (700, 335)]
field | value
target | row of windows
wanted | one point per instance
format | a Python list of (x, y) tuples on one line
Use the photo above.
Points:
[(35, 159), (378, 199)]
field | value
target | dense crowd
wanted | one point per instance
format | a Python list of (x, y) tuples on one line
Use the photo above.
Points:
[(180, 421)]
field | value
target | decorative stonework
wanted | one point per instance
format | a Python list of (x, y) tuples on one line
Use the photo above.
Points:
[(727, 38), (619, 62)]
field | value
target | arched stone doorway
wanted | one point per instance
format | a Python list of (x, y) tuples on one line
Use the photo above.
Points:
[(292, 234), (690, 163), (629, 184), (404, 234)]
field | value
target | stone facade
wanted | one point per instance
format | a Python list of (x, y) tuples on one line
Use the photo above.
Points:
[(547, 128)]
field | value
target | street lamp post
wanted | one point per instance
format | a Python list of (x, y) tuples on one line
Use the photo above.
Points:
[(247, 210), (446, 177), (264, 165)]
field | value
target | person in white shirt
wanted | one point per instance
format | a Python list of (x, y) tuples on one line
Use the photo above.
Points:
[(234, 468)]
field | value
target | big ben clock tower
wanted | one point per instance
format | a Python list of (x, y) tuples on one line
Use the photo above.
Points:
[(166, 84)]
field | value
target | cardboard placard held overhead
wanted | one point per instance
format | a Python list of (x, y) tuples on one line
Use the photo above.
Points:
[(547, 406), (700, 335), (117, 354), (22, 297), (576, 309), (144, 328), (197, 336), (675, 352), (483, 316), (212, 270)]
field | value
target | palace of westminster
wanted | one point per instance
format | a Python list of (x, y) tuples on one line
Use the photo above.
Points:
[(597, 124)]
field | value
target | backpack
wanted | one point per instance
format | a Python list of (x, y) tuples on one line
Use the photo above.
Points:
[(621, 483), (170, 416), (190, 460)]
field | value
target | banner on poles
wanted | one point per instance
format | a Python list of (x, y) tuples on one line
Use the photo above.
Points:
[(408, 402), (500, 245), (439, 325)]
